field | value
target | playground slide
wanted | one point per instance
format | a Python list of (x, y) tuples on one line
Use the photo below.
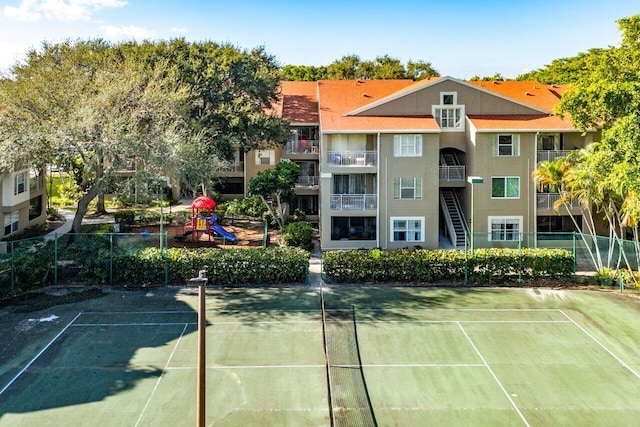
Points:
[(220, 231)]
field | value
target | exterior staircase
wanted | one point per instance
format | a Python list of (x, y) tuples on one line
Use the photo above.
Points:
[(454, 217)]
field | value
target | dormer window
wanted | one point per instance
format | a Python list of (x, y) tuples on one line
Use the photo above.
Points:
[(449, 114), (448, 98)]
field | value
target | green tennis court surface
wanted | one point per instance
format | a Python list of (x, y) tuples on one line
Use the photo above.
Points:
[(396, 357)]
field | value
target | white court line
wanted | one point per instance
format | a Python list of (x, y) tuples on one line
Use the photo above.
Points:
[(39, 354), (463, 321), (86, 325), (161, 375), (403, 365), (494, 376), (142, 312), (191, 368), (637, 375)]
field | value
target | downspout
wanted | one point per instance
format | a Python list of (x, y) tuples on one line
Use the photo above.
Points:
[(535, 200), (378, 223)]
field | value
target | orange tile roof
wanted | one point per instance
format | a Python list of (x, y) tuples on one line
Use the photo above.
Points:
[(521, 123), (339, 97), (299, 103), (527, 92)]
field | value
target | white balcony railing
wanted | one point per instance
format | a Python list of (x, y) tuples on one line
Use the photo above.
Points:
[(302, 146), (354, 202), (236, 167), (547, 200), (352, 158), (551, 155), (452, 173), (308, 181)]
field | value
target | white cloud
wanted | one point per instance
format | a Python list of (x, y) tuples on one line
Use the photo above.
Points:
[(178, 30), (59, 10), (129, 31)]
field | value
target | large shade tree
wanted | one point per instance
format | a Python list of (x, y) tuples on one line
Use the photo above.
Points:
[(79, 103), (605, 178), (169, 108)]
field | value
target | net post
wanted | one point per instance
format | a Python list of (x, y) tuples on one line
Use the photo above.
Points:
[(326, 355)]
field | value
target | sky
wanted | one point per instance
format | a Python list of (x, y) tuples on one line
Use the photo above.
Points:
[(460, 38)]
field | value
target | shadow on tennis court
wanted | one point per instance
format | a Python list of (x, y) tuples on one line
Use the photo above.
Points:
[(93, 351), (388, 302)]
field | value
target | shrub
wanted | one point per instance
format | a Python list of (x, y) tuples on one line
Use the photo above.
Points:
[(125, 218), (249, 206), (298, 234), (484, 266), (224, 267), (605, 276)]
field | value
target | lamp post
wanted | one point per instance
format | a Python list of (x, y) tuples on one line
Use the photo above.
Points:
[(201, 283), (473, 180)]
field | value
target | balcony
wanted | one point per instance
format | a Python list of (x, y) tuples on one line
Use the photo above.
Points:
[(547, 200), (551, 155), (303, 146), (352, 158), (36, 183), (452, 174), (354, 202), (308, 182)]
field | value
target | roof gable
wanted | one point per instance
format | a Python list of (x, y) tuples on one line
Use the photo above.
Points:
[(418, 98)]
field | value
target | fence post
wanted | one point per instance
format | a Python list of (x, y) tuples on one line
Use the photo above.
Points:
[(55, 259), (110, 259), (166, 258), (520, 264), (13, 268), (575, 257), (466, 260)]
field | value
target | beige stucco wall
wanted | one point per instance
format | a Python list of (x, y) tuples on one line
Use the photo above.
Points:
[(475, 100), (425, 167)]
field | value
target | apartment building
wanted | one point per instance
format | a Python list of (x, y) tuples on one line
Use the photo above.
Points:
[(23, 198), (398, 163)]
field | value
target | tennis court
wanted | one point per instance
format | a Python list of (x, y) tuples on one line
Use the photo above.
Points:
[(396, 357)]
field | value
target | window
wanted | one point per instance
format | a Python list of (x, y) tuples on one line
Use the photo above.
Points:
[(265, 157), (11, 222), (407, 145), (549, 141), (353, 228), (449, 114), (407, 229), (349, 184), (448, 98), (407, 188), (506, 145), (505, 228), (20, 183), (505, 187)]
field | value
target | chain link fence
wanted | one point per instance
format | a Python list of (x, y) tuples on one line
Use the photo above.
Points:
[(70, 258)]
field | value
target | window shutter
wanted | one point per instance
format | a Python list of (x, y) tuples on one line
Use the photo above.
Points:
[(418, 194), (516, 145), (396, 188), (494, 146), (396, 145), (418, 145)]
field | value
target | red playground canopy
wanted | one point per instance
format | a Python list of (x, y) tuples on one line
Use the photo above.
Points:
[(203, 202)]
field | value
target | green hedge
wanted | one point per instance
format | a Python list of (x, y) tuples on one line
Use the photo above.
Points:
[(484, 266), (224, 267)]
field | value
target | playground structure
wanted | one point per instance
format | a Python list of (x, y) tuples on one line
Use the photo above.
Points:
[(204, 220)]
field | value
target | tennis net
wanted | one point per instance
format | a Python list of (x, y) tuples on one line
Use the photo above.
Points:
[(349, 400)]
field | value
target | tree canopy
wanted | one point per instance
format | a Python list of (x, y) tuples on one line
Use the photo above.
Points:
[(605, 178), (352, 67), (166, 108)]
